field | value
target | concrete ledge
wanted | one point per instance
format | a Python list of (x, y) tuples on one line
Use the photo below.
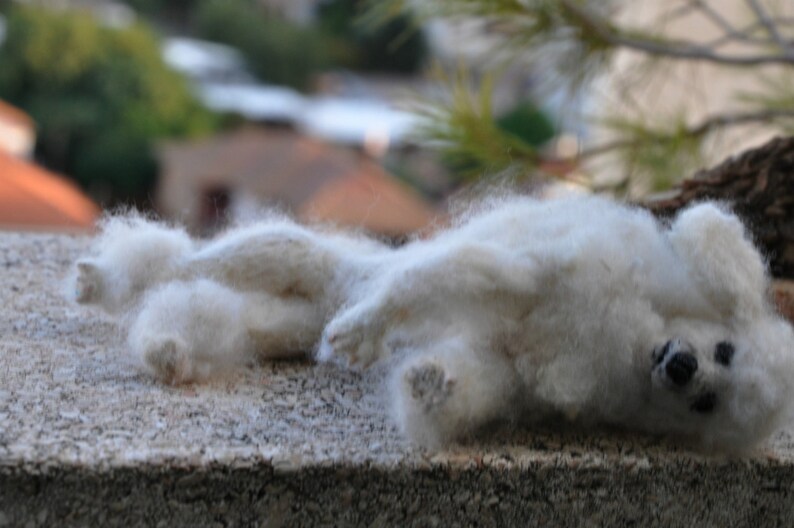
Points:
[(86, 439), (352, 495)]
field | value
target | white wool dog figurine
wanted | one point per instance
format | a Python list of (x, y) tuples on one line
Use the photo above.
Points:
[(579, 307)]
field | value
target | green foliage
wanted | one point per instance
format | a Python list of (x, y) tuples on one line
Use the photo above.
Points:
[(161, 7), (471, 139), (528, 123), (99, 97), (395, 45), (276, 50)]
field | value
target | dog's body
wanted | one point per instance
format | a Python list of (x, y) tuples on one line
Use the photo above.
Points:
[(579, 307)]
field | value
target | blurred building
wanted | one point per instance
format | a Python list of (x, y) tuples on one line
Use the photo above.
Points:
[(353, 114), (240, 174), (32, 198), (203, 61)]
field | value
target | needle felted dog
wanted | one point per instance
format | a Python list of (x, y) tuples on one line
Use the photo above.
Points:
[(580, 307)]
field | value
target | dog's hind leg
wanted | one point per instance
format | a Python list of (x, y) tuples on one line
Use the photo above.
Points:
[(280, 258), (189, 331), (283, 327), (452, 389)]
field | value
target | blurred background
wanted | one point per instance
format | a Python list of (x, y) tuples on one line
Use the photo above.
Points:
[(376, 115)]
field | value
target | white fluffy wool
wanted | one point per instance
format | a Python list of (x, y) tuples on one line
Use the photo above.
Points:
[(579, 307)]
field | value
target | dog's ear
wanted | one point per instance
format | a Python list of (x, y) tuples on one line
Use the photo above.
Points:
[(88, 285), (722, 259)]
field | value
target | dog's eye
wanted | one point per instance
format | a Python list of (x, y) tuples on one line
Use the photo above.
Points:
[(705, 403), (723, 353)]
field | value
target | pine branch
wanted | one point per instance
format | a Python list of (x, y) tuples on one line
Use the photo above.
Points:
[(717, 18), (766, 20), (730, 120), (730, 32), (585, 23), (463, 128), (577, 39), (706, 126), (613, 36)]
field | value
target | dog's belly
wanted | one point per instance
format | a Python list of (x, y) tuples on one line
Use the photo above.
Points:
[(583, 350)]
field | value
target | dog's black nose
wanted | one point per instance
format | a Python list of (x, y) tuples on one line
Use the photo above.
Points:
[(681, 367)]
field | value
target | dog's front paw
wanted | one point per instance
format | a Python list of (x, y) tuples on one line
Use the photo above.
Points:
[(89, 282), (429, 385), (356, 335), (169, 360)]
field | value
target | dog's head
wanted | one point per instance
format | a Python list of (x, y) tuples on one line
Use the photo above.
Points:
[(728, 385)]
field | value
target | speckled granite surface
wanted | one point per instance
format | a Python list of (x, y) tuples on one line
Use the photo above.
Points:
[(86, 439)]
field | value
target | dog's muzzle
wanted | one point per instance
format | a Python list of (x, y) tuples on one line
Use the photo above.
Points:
[(681, 367), (677, 361)]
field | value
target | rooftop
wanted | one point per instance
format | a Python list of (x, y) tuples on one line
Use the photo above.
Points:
[(33, 198), (12, 114), (313, 180)]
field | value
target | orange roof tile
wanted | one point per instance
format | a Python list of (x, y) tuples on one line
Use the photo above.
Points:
[(370, 198), (33, 198)]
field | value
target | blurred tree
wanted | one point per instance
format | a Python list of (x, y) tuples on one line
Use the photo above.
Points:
[(277, 51), (282, 52), (394, 46), (173, 15), (163, 7), (99, 96), (574, 42)]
